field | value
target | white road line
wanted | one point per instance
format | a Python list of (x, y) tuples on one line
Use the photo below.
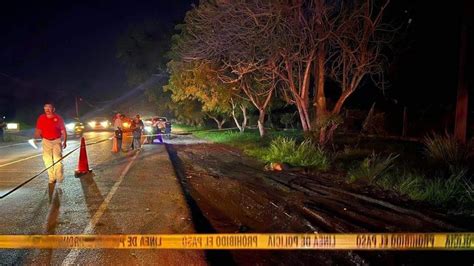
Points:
[(27, 158), (21, 160), (11, 145), (72, 256)]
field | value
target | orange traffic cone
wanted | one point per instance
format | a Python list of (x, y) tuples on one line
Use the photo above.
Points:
[(83, 165)]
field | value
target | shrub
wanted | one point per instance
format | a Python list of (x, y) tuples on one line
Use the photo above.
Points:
[(454, 192), (447, 151), (287, 119), (306, 154), (443, 192), (372, 167)]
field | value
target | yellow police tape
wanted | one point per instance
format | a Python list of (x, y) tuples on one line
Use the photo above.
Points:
[(362, 241)]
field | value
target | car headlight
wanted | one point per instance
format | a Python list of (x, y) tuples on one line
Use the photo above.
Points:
[(104, 123), (126, 124), (92, 123), (70, 126), (148, 129)]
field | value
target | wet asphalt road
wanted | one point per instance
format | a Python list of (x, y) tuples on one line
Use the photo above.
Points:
[(128, 193)]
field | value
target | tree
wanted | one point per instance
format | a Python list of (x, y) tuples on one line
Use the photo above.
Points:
[(357, 48), (297, 38), (161, 100), (353, 50), (221, 33), (189, 112), (198, 81), (260, 46), (239, 102), (142, 49)]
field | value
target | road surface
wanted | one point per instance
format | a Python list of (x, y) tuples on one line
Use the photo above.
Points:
[(128, 193), (191, 187)]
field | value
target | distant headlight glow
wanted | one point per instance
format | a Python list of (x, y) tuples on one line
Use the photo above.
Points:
[(91, 123), (104, 123), (70, 126), (13, 126)]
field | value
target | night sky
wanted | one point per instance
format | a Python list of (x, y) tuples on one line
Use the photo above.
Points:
[(53, 50), (423, 76)]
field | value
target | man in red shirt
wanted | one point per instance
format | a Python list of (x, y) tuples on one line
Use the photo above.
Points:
[(50, 127)]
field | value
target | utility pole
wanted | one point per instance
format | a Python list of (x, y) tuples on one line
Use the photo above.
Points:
[(460, 122), (405, 122), (77, 108)]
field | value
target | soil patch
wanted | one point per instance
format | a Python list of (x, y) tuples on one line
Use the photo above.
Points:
[(235, 194)]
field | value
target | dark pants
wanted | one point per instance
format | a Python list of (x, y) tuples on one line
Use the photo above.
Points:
[(136, 143), (119, 144), (1, 135), (159, 138)]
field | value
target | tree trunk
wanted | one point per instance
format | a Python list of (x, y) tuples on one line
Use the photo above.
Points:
[(320, 96), (244, 114), (221, 123), (218, 122), (337, 108), (300, 89), (237, 123), (235, 117), (460, 122), (319, 77), (326, 134), (261, 120), (304, 123), (254, 99)]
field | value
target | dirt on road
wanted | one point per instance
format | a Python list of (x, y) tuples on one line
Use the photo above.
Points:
[(229, 192)]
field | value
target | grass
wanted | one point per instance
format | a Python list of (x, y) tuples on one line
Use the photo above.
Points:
[(185, 128), (440, 178), (266, 149), (248, 141), (352, 150), (8, 137), (277, 146), (372, 167), (304, 154), (455, 192), (447, 151), (375, 161), (228, 136)]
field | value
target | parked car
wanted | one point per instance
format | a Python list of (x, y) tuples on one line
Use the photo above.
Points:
[(157, 128), (161, 122), (99, 123), (74, 127)]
